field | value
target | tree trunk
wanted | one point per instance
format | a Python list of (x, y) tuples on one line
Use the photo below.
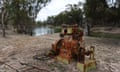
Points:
[(87, 29), (3, 24)]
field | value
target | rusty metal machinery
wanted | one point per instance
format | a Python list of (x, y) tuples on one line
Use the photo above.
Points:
[(70, 47)]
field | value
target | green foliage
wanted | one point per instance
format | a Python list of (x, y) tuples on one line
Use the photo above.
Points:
[(95, 10), (23, 12), (73, 14), (57, 29), (99, 12), (105, 35)]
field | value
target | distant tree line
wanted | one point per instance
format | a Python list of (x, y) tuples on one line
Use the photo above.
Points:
[(94, 13), (72, 15)]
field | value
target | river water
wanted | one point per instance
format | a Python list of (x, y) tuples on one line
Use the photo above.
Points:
[(42, 30)]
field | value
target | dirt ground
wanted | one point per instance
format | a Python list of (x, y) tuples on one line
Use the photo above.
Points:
[(21, 53)]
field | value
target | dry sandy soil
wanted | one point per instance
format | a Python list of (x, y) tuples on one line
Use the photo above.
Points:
[(20, 53)]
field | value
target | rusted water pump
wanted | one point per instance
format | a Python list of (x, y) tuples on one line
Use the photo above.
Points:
[(71, 47)]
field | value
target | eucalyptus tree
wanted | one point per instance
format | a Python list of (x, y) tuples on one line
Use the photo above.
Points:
[(4, 14), (72, 15), (95, 12), (113, 13), (22, 12), (25, 12)]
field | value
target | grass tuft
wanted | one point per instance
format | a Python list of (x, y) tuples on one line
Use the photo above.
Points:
[(105, 35)]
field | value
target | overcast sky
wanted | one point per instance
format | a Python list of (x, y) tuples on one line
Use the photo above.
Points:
[(54, 8)]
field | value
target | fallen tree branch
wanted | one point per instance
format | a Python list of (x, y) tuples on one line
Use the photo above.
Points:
[(33, 67), (9, 66)]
